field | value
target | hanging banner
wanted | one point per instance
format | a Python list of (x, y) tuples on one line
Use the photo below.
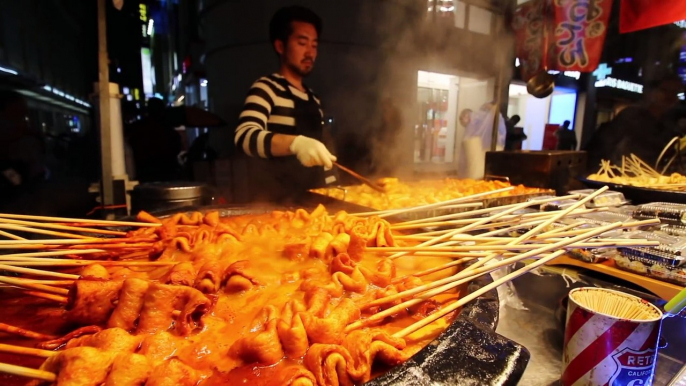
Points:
[(636, 15), (580, 27), (529, 26)]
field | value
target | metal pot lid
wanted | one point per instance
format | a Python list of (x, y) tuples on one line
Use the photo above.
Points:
[(170, 190)]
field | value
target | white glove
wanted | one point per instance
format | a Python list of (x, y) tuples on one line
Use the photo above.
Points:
[(311, 152)]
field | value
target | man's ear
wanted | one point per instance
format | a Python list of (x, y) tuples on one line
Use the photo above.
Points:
[(279, 47)]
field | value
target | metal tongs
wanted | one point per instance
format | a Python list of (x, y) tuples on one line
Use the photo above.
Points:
[(361, 178)]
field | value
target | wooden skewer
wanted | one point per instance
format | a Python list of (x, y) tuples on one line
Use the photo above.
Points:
[(58, 283), (461, 302), (516, 217), (14, 256), (539, 227), (391, 212), (43, 295), (516, 247), (42, 231), (80, 220), (560, 229), (89, 240), (27, 372), (34, 352), (76, 247), (466, 228), (37, 272), (454, 306), (40, 287), (632, 224), (62, 227), (24, 332), (11, 236), (468, 272), (434, 269), (478, 212), (409, 303), (69, 263)]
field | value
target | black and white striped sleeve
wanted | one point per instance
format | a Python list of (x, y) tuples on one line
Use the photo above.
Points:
[(251, 133)]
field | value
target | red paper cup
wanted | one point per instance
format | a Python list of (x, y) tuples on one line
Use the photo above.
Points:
[(601, 349)]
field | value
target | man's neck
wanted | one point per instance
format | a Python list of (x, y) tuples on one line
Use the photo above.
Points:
[(294, 79)]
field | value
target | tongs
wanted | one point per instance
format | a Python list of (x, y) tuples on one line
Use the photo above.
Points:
[(362, 179)]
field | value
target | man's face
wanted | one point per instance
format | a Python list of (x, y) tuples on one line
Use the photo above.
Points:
[(300, 51)]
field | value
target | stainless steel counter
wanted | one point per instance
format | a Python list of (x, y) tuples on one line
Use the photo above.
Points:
[(529, 318)]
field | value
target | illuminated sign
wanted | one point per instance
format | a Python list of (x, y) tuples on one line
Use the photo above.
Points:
[(620, 85), (602, 72), (571, 74), (143, 12)]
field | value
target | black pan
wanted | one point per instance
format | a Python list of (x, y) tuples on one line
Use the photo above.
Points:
[(469, 352), (639, 195)]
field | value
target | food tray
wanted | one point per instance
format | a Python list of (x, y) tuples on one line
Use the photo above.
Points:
[(666, 212), (420, 214), (640, 195), (468, 352)]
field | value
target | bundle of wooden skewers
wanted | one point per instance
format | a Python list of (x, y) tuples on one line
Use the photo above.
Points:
[(635, 172), (483, 240)]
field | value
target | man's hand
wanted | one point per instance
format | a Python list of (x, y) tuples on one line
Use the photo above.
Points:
[(311, 152)]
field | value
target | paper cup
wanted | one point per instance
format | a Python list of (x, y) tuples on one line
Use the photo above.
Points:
[(601, 349)]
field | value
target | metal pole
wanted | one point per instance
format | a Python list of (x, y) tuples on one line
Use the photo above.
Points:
[(106, 188), (498, 101)]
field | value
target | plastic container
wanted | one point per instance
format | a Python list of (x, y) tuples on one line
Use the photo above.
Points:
[(674, 230), (651, 256), (591, 255), (657, 271), (667, 212), (604, 218), (605, 199)]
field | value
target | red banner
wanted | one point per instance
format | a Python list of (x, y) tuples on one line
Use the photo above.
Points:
[(573, 31), (529, 25), (580, 29), (636, 15)]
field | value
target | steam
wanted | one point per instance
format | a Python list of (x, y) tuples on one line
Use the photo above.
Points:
[(383, 93)]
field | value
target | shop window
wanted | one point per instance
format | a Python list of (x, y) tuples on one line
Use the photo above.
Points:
[(431, 129), (450, 107)]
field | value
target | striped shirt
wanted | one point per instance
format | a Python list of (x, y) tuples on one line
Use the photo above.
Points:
[(268, 109)]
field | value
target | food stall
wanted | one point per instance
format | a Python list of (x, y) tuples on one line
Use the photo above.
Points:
[(382, 293), (440, 281)]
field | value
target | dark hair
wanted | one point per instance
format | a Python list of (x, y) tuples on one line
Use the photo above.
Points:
[(280, 27), (566, 123), (156, 106), (515, 118)]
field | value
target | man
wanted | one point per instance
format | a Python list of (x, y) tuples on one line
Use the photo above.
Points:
[(643, 129), (566, 137), (281, 122), (515, 135)]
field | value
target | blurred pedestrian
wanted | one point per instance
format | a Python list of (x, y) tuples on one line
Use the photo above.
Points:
[(643, 129), (515, 135), (566, 137)]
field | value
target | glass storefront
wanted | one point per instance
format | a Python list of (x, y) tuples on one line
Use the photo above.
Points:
[(450, 110), (537, 113)]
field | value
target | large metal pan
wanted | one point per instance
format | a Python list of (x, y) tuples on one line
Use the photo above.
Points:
[(469, 352)]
